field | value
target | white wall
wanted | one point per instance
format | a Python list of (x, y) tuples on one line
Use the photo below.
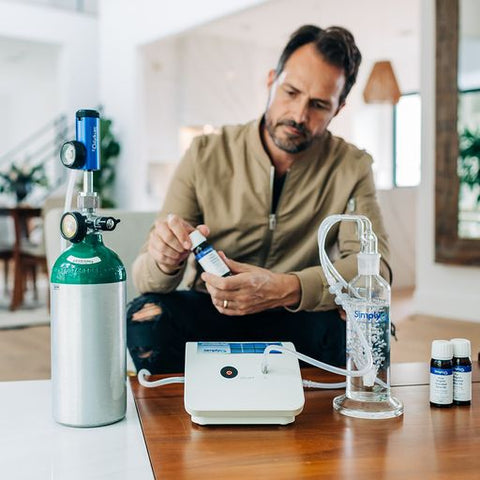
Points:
[(76, 37), (28, 90), (225, 79), (126, 26), (161, 79), (198, 79), (399, 207), (442, 290), (5, 129)]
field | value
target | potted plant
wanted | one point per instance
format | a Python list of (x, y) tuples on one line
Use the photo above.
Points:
[(469, 159), (104, 179), (21, 180)]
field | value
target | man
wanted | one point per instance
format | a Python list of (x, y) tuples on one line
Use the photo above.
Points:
[(259, 192)]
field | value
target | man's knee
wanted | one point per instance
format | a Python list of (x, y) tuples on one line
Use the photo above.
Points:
[(158, 326), (147, 313), (143, 316)]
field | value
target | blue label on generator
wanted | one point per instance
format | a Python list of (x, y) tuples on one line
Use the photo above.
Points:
[(234, 347)]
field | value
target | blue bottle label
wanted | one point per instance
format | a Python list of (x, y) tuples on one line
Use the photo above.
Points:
[(211, 262), (441, 371)]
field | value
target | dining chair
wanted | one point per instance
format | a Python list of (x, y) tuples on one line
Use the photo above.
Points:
[(28, 256), (6, 255), (6, 248)]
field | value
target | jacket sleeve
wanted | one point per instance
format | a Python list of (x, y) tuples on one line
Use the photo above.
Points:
[(181, 199), (314, 285)]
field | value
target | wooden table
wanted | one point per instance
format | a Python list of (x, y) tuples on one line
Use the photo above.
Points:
[(425, 443)]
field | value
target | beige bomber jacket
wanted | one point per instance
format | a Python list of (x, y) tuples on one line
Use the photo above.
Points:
[(225, 181)]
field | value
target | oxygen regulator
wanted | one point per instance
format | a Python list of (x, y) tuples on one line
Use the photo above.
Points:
[(84, 154)]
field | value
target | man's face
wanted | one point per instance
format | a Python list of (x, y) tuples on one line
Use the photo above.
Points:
[(302, 100)]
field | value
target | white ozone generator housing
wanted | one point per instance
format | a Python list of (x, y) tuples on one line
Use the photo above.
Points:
[(224, 384)]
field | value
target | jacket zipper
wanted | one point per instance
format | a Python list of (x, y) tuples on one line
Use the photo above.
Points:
[(272, 221)]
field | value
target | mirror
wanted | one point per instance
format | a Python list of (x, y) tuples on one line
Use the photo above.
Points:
[(454, 244)]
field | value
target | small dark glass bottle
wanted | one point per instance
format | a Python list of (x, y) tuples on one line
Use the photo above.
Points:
[(207, 257), (462, 372), (441, 374)]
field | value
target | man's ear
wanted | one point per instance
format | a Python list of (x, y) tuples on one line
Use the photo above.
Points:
[(271, 77)]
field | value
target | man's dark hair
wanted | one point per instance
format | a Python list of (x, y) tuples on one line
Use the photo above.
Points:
[(335, 44)]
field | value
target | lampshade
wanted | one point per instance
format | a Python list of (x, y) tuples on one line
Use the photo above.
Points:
[(382, 86)]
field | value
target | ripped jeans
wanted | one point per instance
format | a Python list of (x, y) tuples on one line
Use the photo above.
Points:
[(159, 325)]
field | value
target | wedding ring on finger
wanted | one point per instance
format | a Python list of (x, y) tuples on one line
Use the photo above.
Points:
[(225, 304)]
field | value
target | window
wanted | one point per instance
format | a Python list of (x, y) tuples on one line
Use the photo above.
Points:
[(469, 163), (406, 141)]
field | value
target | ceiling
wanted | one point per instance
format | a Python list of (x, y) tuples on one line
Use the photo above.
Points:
[(379, 26), (80, 6)]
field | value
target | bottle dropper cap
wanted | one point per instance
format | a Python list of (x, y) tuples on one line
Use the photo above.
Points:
[(461, 347), (197, 238), (368, 263), (442, 350)]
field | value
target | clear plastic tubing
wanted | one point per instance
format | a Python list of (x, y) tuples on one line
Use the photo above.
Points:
[(337, 284), (68, 201)]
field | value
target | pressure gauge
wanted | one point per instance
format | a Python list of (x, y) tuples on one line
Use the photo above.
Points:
[(73, 227), (73, 154)]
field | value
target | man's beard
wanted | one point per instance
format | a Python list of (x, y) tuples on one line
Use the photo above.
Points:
[(291, 143)]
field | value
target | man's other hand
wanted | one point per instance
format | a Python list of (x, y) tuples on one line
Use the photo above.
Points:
[(251, 289), (169, 243)]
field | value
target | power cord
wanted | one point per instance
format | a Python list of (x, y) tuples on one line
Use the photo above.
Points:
[(143, 373)]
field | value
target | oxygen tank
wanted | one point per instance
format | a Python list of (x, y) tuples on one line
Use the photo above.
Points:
[(88, 297)]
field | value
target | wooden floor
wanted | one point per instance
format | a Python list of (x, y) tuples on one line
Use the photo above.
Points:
[(25, 352)]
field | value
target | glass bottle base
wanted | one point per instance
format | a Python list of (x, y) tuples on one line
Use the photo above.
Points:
[(368, 409)]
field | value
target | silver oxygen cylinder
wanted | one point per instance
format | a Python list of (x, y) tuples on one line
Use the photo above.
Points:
[(88, 335)]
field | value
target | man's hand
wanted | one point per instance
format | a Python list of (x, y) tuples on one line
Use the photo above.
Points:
[(251, 289), (169, 243)]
